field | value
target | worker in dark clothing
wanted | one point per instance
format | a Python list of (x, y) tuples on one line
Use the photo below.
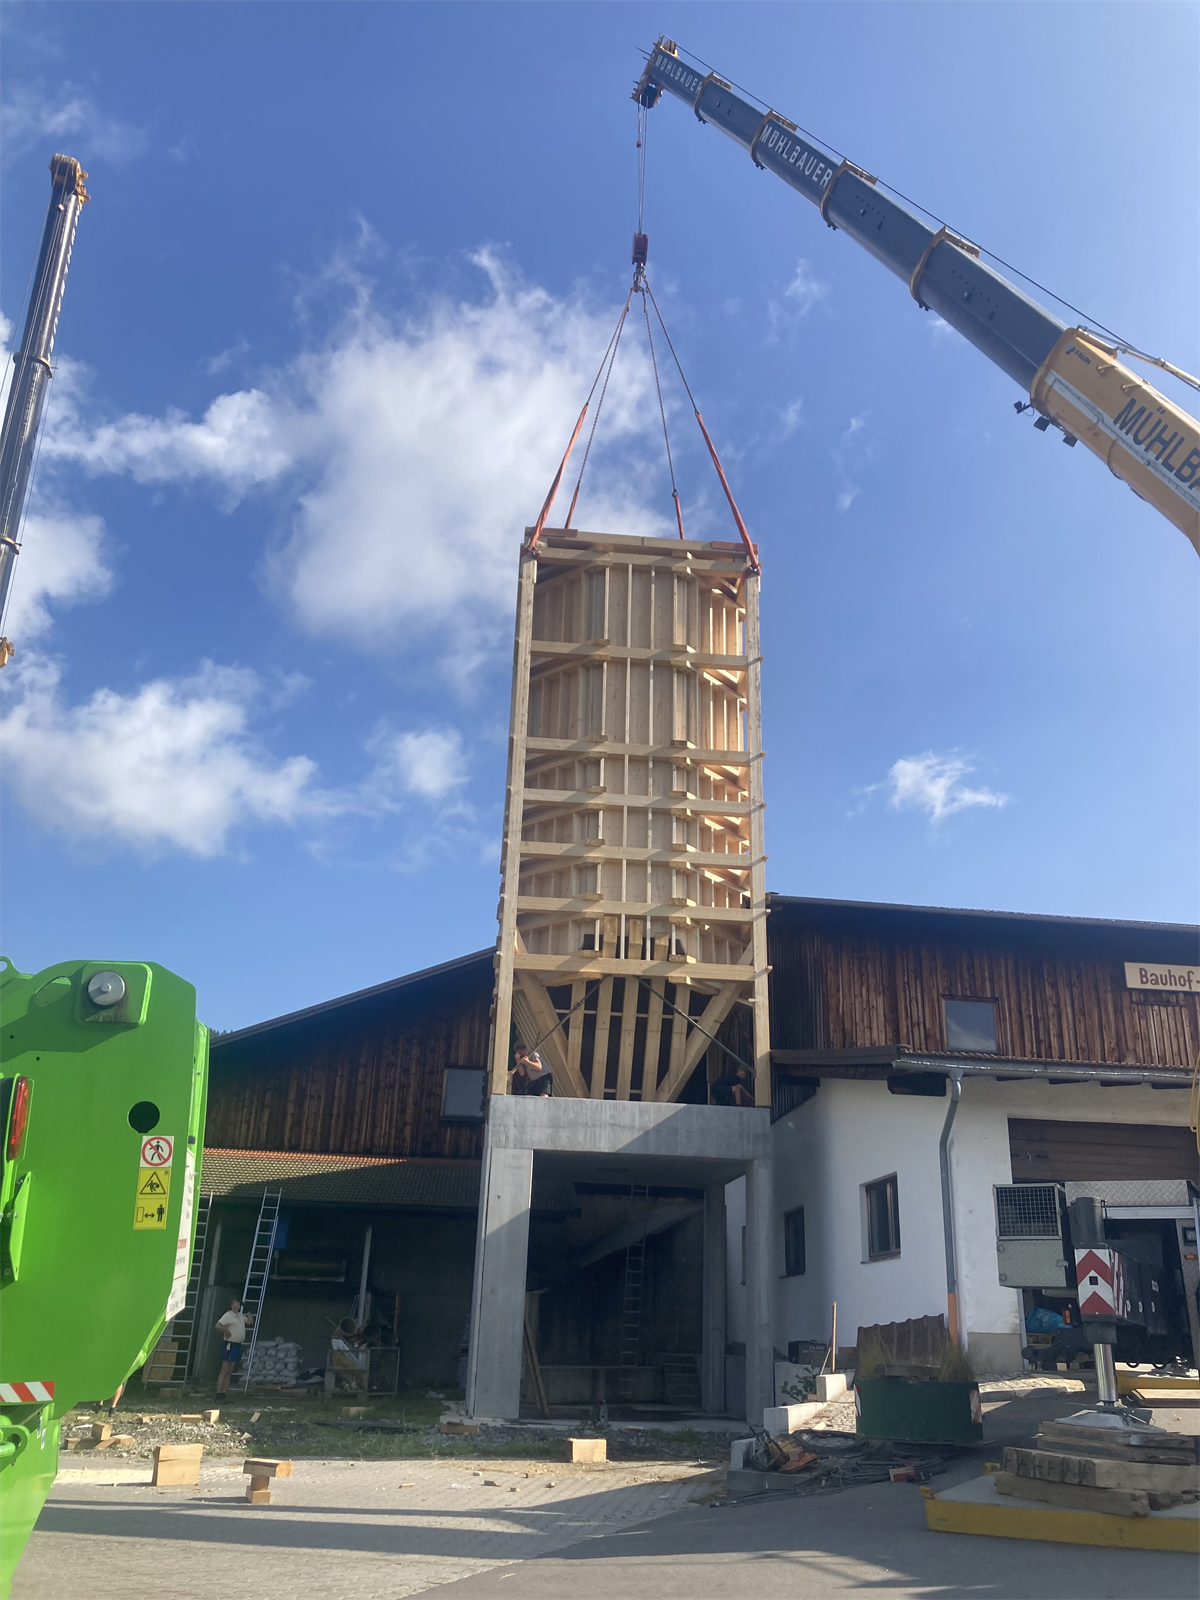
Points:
[(531, 1075), (734, 1087)]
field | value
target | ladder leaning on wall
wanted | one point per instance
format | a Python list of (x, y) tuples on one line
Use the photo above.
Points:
[(183, 1325), (258, 1273)]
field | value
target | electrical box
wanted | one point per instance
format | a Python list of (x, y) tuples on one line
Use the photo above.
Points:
[(1029, 1236)]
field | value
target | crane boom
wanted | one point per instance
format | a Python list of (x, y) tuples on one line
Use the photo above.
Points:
[(31, 363), (1071, 375)]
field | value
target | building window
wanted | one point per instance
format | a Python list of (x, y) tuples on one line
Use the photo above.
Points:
[(462, 1094), (971, 1025), (883, 1218), (793, 1242)]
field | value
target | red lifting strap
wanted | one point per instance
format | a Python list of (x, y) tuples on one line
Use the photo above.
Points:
[(562, 467)]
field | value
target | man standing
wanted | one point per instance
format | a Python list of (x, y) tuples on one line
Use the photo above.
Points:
[(531, 1075), (232, 1328)]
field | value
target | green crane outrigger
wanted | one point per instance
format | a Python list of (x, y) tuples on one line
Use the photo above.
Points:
[(102, 1097)]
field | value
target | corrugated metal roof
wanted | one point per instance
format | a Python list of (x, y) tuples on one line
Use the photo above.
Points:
[(401, 1183)]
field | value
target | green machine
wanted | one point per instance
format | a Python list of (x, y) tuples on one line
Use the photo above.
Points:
[(102, 1114)]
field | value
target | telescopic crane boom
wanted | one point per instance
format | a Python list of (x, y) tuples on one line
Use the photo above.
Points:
[(31, 363), (1072, 376)]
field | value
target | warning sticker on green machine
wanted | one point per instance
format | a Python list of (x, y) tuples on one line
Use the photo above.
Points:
[(154, 1182)]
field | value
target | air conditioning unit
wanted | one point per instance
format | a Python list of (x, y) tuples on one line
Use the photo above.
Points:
[(1029, 1235)]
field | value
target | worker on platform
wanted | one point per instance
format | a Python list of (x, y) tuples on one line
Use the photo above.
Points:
[(531, 1075), (232, 1328), (734, 1087)]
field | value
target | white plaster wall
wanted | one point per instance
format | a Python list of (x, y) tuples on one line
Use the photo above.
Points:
[(851, 1133)]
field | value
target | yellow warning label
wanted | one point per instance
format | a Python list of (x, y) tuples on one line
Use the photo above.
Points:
[(153, 1192)]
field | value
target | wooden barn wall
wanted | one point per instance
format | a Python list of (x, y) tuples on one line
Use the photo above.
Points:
[(364, 1081), (844, 991)]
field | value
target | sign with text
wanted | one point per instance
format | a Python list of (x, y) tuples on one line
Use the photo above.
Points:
[(1148, 975)]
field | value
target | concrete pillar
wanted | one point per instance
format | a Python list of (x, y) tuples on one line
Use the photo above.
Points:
[(498, 1301), (760, 1347), (712, 1360)]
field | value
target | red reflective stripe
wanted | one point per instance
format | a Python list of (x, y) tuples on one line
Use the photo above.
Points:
[(18, 1119)]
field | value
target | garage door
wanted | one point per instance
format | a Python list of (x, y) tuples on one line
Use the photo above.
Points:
[(1058, 1152)]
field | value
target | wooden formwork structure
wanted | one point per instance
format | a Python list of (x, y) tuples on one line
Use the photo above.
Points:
[(633, 899)]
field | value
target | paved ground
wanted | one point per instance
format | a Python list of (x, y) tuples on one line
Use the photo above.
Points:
[(337, 1530), (383, 1530)]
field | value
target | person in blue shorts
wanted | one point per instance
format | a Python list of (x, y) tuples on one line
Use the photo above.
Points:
[(232, 1328)]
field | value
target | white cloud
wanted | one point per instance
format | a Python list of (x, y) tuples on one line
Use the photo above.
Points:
[(32, 117), (934, 784), (172, 766), (60, 561), (847, 457), (792, 417), (409, 457), (804, 289), (431, 764)]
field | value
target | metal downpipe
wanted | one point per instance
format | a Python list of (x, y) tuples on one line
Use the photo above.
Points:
[(947, 1206)]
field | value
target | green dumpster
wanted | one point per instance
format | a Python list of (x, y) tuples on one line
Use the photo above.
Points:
[(918, 1409)]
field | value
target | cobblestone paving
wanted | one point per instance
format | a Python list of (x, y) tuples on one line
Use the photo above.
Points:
[(337, 1530)]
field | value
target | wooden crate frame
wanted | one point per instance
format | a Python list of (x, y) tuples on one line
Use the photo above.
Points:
[(633, 894)]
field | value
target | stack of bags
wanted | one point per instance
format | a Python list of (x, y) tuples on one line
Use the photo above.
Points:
[(276, 1361)]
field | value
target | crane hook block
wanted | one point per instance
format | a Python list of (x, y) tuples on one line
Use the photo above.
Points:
[(641, 249)]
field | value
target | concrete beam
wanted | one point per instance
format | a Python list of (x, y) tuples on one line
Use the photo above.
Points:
[(658, 1220), (730, 1135), (498, 1304), (712, 1360), (760, 1347)]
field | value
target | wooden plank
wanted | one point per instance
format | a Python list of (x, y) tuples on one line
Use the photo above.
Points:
[(679, 1028), (668, 856), (658, 749), (585, 964), (628, 1035), (1074, 1497), (600, 1047), (575, 1034), (654, 1022), (510, 876)]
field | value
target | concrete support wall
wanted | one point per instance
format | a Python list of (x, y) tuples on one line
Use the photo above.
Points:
[(498, 1304), (760, 1364), (712, 1373)]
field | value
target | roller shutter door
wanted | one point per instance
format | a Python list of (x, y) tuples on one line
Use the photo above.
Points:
[(1058, 1152)]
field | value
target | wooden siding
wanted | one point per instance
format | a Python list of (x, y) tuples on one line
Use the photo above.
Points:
[(1062, 1152), (366, 1079), (851, 990)]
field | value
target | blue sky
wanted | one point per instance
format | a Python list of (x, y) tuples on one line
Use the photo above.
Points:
[(331, 314)]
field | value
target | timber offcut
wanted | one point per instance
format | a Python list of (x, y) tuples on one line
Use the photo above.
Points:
[(633, 898)]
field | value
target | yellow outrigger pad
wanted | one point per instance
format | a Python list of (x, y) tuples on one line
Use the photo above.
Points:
[(1160, 1384), (975, 1507)]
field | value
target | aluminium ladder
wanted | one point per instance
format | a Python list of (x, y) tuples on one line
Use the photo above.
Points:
[(258, 1271), (183, 1324), (631, 1308)]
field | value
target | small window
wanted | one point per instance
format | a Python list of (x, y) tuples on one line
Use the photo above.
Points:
[(462, 1094), (793, 1242), (971, 1025), (883, 1218)]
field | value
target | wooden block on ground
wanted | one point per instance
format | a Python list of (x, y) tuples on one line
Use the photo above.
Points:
[(459, 1427), (192, 1416), (1074, 1497), (176, 1465), (1101, 1472), (258, 1491), (588, 1449), (101, 1431), (211, 1416), (266, 1467), (354, 1411)]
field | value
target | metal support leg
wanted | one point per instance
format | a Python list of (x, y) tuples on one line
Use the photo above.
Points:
[(1106, 1374)]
